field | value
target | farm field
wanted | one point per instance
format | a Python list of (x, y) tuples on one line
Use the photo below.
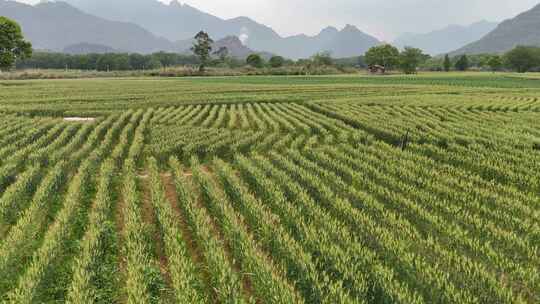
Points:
[(338, 189)]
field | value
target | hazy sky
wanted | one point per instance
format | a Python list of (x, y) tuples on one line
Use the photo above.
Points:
[(383, 18)]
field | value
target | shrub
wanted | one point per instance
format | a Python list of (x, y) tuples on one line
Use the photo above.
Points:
[(255, 60), (277, 61)]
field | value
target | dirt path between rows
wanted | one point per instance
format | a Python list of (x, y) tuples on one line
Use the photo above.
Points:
[(149, 217), (172, 198), (119, 218)]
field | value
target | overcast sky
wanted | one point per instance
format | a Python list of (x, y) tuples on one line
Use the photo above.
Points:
[(382, 18)]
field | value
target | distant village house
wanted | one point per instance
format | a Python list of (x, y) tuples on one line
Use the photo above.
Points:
[(377, 69)]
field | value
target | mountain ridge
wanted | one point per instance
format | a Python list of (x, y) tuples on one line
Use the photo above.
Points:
[(179, 22), (520, 30), (82, 33), (146, 26), (56, 25), (447, 39)]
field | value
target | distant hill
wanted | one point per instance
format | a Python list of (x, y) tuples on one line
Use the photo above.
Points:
[(233, 44), (88, 48), (87, 26), (348, 42), (521, 30), (180, 22), (57, 25), (176, 21), (236, 48), (446, 40)]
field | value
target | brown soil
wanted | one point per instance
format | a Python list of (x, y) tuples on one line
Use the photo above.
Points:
[(172, 198), (207, 170), (120, 228), (193, 250), (188, 173)]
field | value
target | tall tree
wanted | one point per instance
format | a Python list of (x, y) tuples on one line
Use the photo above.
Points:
[(447, 63), (410, 59), (137, 61), (277, 61), (463, 63), (495, 63), (523, 58), (385, 55), (202, 49), (255, 60), (12, 44)]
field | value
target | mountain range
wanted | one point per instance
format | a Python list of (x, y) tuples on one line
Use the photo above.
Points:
[(447, 39), (524, 29), (88, 48), (348, 42), (146, 26), (176, 21), (57, 25)]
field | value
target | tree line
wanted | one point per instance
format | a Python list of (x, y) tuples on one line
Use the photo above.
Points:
[(391, 58), (133, 61), (521, 59), (105, 62)]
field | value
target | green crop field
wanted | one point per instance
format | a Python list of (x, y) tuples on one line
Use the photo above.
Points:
[(338, 189)]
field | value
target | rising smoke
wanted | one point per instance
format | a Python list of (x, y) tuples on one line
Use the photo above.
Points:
[(244, 35)]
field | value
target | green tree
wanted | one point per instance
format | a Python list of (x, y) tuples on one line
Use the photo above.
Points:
[(494, 63), (153, 64), (277, 61), (105, 63), (323, 59), (447, 65), (202, 49), (138, 61), (113, 62), (385, 55), (410, 59), (12, 44), (255, 60), (523, 58), (463, 63), (166, 59)]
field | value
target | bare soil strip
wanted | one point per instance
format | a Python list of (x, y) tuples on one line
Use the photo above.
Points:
[(172, 198), (193, 250), (150, 219), (120, 232)]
